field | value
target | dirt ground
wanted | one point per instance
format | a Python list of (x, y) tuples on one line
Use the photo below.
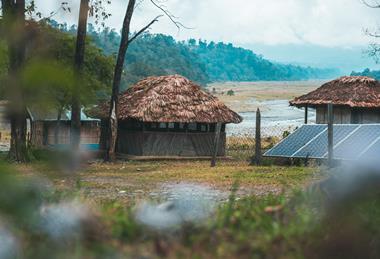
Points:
[(131, 182)]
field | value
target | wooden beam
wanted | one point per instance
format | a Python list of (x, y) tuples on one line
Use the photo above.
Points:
[(216, 143), (330, 133), (306, 113)]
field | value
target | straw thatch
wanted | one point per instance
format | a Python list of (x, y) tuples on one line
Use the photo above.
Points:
[(352, 91), (171, 99)]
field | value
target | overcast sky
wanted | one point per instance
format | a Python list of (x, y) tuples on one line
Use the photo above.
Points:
[(323, 23)]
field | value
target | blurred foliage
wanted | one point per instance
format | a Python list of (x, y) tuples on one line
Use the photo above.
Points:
[(48, 78), (327, 220)]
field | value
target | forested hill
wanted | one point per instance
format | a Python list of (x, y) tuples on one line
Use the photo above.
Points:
[(367, 72), (157, 54)]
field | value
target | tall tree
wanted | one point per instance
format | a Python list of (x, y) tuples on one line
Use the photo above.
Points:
[(79, 61), (114, 111), (14, 26), (112, 127), (374, 47)]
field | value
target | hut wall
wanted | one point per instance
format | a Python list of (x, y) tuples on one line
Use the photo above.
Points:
[(169, 144), (342, 115), (363, 116), (130, 143), (347, 115)]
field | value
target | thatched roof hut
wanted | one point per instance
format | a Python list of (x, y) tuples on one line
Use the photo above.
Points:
[(352, 91), (171, 99), (356, 99), (169, 116)]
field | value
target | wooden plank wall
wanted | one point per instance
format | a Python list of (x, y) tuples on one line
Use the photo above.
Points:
[(130, 143), (346, 115), (44, 131), (169, 144)]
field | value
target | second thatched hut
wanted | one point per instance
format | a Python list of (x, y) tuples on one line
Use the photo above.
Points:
[(356, 100), (169, 116)]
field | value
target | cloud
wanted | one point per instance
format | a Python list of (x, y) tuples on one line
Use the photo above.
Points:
[(271, 22)]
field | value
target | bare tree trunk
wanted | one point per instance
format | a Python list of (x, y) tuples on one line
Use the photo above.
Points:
[(79, 61), (14, 20), (57, 127), (114, 109)]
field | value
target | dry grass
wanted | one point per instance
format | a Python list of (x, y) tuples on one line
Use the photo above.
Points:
[(245, 92)]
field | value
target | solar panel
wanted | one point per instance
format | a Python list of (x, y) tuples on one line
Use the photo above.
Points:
[(351, 148), (373, 151), (318, 147), (350, 142), (295, 141)]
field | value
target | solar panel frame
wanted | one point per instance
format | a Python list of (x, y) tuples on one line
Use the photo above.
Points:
[(356, 140), (304, 131), (374, 148), (351, 148), (318, 147)]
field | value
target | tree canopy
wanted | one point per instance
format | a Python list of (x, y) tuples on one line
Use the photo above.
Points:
[(48, 75)]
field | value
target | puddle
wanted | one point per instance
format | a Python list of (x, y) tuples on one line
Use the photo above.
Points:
[(184, 202)]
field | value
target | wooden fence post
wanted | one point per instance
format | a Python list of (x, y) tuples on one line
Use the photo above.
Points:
[(330, 133), (216, 143), (257, 157)]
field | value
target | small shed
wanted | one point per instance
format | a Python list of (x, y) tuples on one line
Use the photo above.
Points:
[(356, 100), (44, 128), (169, 116)]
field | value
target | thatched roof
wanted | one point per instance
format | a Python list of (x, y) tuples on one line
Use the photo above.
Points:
[(171, 99), (353, 91)]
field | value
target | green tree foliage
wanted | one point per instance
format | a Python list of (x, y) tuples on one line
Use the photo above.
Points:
[(225, 62), (367, 72), (48, 77)]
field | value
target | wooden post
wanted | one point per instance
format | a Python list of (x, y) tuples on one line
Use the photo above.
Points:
[(330, 130), (306, 113), (257, 157), (216, 143)]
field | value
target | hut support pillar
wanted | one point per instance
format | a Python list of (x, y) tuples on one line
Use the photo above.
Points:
[(306, 114), (216, 143), (330, 133)]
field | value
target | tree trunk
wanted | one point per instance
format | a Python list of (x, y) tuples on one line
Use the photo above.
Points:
[(79, 61), (57, 127), (14, 19), (114, 103)]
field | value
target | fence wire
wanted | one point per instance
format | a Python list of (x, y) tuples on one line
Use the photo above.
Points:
[(241, 146)]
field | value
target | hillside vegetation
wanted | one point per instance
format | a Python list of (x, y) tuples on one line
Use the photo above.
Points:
[(200, 61)]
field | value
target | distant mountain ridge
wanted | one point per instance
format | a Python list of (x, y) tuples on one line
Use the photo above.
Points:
[(202, 62)]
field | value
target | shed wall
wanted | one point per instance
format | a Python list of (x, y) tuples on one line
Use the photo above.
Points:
[(43, 133)]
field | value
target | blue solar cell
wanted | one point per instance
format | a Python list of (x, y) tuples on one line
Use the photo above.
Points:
[(295, 141), (317, 148), (357, 143), (373, 152)]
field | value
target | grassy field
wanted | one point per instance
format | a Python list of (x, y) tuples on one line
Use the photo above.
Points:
[(128, 182), (244, 93)]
